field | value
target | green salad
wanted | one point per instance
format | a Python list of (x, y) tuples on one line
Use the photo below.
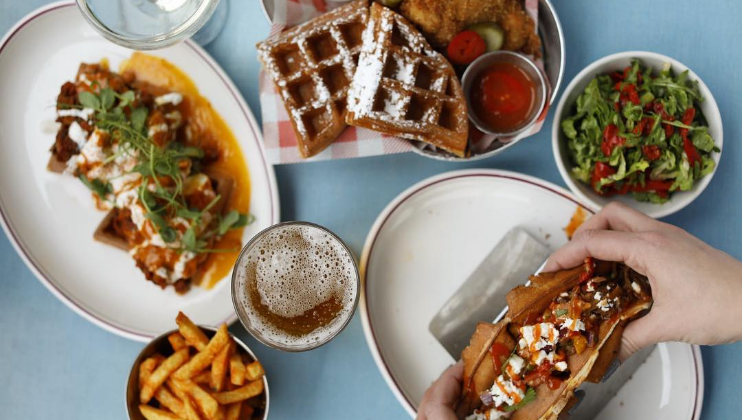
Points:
[(634, 131)]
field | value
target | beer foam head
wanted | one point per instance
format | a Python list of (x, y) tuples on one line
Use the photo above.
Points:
[(295, 268)]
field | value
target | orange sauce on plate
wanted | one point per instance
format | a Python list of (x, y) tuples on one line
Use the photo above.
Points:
[(209, 126)]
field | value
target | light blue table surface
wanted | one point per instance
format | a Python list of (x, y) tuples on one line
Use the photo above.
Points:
[(56, 365)]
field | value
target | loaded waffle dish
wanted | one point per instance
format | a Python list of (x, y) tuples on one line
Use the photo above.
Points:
[(161, 162), (395, 70)]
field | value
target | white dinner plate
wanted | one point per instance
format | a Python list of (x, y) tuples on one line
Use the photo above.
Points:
[(50, 218), (431, 237)]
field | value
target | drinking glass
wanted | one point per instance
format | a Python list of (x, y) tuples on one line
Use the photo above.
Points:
[(154, 24)]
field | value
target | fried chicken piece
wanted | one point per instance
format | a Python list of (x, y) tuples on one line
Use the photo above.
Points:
[(440, 21)]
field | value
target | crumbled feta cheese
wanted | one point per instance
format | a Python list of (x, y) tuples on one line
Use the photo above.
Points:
[(561, 366), (542, 355), (605, 305), (77, 134), (598, 296), (636, 287), (574, 324), (539, 336), (504, 392), (515, 365), (590, 286), (564, 294), (158, 128), (83, 114), (169, 98)]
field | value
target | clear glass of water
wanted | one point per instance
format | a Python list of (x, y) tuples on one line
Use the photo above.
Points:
[(153, 24)]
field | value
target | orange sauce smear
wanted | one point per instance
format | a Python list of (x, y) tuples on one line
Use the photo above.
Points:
[(206, 123), (578, 218)]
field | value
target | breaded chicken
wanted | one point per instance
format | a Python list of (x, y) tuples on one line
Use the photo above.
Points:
[(441, 20)]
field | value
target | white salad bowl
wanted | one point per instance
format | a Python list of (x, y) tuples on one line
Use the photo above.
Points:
[(679, 199)]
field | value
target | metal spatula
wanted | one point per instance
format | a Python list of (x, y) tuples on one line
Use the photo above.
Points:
[(482, 297)]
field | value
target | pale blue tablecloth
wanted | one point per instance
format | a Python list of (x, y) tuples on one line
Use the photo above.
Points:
[(56, 365)]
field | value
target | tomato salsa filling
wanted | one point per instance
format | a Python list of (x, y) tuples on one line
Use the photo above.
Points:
[(545, 339)]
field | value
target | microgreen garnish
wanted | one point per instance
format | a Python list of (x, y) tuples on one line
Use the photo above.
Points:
[(161, 190), (527, 399), (100, 188)]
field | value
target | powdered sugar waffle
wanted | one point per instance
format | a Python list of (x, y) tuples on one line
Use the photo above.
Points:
[(403, 87), (312, 66)]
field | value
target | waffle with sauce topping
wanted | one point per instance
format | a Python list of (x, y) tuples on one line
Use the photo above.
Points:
[(312, 66), (403, 87)]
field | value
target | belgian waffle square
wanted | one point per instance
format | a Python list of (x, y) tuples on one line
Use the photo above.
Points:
[(405, 88), (312, 66)]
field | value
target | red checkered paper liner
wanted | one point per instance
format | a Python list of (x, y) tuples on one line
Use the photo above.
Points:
[(278, 134)]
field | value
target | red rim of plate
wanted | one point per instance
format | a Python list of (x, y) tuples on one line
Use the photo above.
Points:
[(26, 253), (390, 209)]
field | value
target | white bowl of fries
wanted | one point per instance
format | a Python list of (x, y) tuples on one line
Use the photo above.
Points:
[(197, 373)]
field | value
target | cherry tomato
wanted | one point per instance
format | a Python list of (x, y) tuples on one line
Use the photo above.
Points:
[(611, 139), (466, 47), (651, 152)]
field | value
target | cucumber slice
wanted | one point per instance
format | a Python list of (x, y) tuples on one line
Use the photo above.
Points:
[(390, 3), (492, 34)]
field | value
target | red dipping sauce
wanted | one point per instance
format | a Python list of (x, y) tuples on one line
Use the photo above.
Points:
[(503, 97)]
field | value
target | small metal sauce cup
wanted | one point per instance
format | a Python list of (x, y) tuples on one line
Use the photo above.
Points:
[(162, 345), (481, 64), (240, 307)]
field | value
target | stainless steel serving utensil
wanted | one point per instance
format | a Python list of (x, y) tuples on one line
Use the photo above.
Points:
[(482, 297)]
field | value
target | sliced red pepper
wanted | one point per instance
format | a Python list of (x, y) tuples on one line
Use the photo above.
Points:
[(651, 152), (611, 139), (589, 270), (652, 185), (629, 93), (691, 151), (600, 171), (688, 116)]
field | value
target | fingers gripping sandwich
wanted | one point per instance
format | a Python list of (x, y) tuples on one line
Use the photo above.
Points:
[(560, 330)]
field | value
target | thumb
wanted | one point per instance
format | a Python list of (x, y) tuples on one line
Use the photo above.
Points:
[(637, 335)]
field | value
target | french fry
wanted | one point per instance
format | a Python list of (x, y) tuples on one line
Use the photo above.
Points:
[(191, 413), (254, 371), (233, 411), (220, 413), (240, 394), (177, 341), (146, 368), (160, 375), (220, 365), (170, 401), (203, 378), (236, 370), (177, 388), (205, 357), (208, 405), (192, 334), (151, 413)]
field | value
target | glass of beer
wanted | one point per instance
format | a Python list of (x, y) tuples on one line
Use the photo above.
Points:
[(295, 286)]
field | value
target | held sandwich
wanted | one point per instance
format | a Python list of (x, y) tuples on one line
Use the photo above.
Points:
[(562, 329)]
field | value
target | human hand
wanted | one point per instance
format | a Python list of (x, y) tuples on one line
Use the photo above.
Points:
[(697, 289), (439, 400)]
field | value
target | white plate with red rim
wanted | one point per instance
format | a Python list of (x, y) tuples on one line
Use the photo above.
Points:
[(428, 240), (50, 219)]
